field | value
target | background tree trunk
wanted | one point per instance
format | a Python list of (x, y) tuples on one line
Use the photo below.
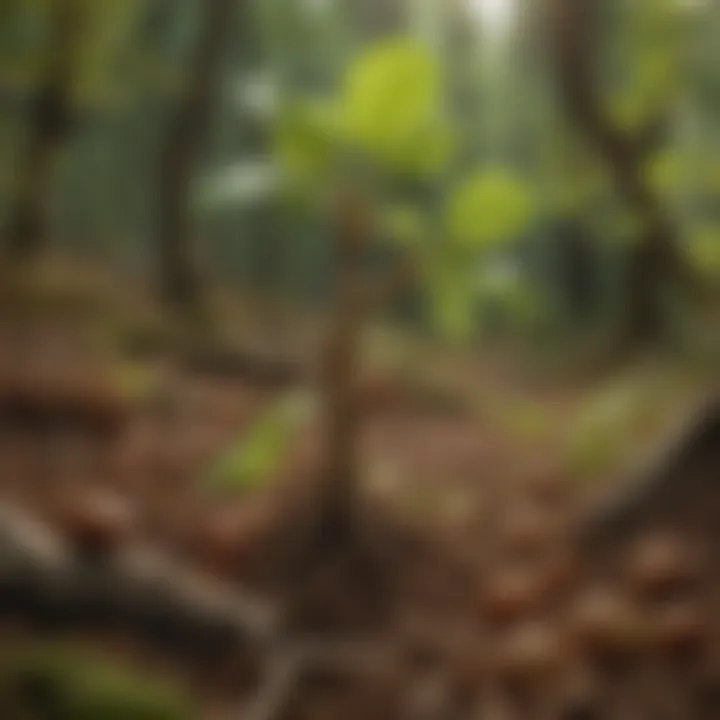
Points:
[(177, 272), (655, 265), (50, 121)]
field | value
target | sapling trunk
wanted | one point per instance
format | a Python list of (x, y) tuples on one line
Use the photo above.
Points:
[(339, 381), (356, 298)]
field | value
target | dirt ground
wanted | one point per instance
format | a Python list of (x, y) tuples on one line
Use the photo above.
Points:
[(471, 595)]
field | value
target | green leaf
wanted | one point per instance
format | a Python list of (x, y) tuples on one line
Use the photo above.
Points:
[(490, 208), (391, 104), (258, 455), (387, 114)]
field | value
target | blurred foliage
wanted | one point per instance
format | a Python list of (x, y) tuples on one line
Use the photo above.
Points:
[(388, 111), (251, 463), (102, 54), (703, 248), (453, 296), (403, 225), (306, 137), (490, 208), (669, 171), (460, 139), (392, 107), (649, 49)]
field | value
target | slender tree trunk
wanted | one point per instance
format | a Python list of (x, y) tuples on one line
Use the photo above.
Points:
[(49, 124), (340, 374), (655, 264), (177, 271)]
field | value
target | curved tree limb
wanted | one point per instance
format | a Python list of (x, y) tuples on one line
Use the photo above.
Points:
[(656, 262)]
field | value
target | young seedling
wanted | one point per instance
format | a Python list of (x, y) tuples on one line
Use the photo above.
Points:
[(365, 161)]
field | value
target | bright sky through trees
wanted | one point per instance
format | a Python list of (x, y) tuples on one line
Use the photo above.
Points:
[(494, 15)]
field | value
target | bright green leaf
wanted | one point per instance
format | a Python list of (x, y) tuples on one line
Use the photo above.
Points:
[(488, 209), (391, 105)]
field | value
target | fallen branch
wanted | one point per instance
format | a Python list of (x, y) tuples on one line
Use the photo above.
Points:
[(669, 478), (44, 582)]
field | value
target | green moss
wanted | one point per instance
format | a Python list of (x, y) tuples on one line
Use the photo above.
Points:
[(55, 683)]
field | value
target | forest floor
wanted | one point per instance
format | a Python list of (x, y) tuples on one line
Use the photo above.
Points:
[(479, 601)]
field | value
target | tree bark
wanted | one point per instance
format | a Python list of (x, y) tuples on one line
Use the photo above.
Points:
[(340, 374), (178, 277), (655, 263), (50, 122)]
